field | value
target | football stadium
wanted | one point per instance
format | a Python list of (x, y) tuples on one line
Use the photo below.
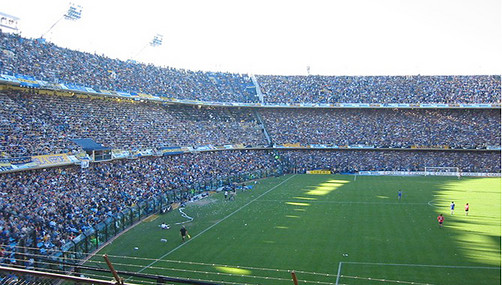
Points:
[(118, 171)]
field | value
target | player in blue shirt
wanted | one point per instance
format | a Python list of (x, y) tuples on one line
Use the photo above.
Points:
[(452, 207)]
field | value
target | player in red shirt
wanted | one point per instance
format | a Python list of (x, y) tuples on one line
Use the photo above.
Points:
[(467, 209), (440, 220)]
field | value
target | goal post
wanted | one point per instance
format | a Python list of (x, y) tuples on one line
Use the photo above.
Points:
[(442, 171)]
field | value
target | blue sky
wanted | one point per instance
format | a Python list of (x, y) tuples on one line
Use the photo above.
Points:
[(353, 37)]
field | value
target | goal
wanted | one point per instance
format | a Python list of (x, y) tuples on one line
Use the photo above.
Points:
[(442, 171)]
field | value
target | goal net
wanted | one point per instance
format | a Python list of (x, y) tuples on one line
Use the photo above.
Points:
[(442, 171)]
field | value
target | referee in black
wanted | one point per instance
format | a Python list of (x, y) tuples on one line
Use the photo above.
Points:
[(183, 232)]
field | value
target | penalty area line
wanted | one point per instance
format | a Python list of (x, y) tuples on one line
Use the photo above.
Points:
[(215, 224), (423, 265), (349, 202)]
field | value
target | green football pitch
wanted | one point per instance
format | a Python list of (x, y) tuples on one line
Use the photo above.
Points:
[(329, 229)]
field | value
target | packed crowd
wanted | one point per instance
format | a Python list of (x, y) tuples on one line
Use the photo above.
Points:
[(49, 62), (35, 124), (61, 203), (380, 89), (387, 128), (400, 160)]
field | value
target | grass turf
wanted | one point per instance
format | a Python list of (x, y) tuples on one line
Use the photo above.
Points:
[(327, 228)]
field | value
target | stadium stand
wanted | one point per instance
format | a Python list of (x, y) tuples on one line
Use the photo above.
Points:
[(53, 206), (38, 59), (384, 128), (40, 122), (46, 61), (380, 89), (344, 161)]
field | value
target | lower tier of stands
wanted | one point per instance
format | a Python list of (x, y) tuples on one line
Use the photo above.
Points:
[(48, 208)]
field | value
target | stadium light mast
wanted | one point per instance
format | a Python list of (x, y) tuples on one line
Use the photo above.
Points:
[(155, 42), (9, 22), (73, 13)]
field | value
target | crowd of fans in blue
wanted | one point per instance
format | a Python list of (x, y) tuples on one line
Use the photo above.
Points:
[(39, 124), (351, 161), (385, 128), (380, 89), (46, 61), (59, 203)]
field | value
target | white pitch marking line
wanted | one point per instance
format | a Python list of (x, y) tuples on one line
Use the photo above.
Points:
[(348, 202), (339, 271), (424, 265)]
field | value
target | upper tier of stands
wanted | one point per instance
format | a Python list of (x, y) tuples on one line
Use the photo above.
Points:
[(46, 61), (380, 89), (49, 62)]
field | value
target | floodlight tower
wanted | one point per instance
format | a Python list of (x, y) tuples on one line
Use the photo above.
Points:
[(73, 13), (155, 42), (9, 22)]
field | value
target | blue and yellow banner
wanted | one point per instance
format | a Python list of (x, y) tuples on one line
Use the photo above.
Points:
[(51, 159), (319, 171)]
